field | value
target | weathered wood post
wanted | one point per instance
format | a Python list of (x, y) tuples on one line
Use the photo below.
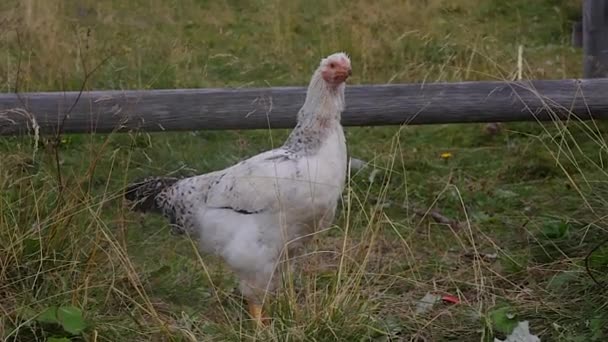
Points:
[(595, 38)]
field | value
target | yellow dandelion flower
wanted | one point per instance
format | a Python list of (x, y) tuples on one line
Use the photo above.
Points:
[(446, 155)]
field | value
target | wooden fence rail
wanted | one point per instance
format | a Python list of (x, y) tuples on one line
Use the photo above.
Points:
[(197, 109), (595, 38)]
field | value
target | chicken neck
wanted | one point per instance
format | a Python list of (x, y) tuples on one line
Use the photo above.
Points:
[(319, 115)]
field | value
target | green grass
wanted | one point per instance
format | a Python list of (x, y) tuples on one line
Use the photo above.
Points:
[(534, 194)]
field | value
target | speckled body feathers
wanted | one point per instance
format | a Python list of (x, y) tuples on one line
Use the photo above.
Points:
[(251, 212)]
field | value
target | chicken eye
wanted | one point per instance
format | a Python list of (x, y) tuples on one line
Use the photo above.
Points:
[(332, 65)]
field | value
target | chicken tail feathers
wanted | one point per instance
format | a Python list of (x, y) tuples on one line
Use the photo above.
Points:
[(144, 194)]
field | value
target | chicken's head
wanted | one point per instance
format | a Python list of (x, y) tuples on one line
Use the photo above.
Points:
[(335, 68)]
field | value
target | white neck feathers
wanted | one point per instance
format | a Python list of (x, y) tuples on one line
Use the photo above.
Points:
[(322, 100)]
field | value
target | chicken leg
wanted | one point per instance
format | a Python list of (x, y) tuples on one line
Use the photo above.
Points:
[(255, 310)]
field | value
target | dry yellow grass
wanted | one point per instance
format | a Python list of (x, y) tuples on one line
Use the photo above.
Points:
[(532, 195)]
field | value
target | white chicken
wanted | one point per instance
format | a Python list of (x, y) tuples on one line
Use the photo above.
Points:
[(252, 213)]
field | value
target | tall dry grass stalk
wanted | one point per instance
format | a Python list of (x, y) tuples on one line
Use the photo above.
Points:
[(71, 241)]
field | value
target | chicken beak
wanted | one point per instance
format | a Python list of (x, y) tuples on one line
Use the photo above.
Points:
[(344, 73)]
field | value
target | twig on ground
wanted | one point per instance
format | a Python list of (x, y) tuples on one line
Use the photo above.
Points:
[(438, 217), (588, 268), (435, 214)]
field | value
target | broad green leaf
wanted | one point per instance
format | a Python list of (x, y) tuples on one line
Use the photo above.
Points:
[(48, 315), (503, 319), (597, 325), (71, 319), (599, 259), (555, 229)]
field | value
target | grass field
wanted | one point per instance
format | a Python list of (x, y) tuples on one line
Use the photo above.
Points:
[(527, 204)]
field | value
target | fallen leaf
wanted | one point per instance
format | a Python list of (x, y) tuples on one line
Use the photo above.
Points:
[(521, 333), (357, 164), (426, 303), (450, 299)]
